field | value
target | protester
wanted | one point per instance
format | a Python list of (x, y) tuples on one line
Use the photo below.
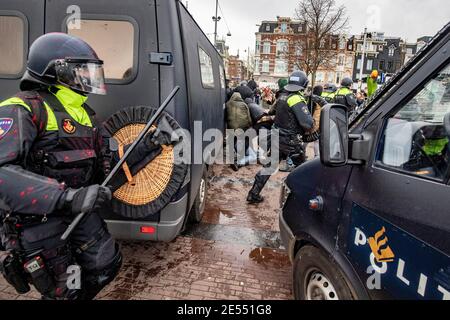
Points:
[(372, 85)]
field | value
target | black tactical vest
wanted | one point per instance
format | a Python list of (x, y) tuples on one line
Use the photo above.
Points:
[(68, 155), (285, 117)]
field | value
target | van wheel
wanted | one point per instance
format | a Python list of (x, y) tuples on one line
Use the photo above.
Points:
[(316, 277), (196, 214)]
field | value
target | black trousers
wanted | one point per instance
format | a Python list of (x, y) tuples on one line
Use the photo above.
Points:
[(287, 149), (90, 246)]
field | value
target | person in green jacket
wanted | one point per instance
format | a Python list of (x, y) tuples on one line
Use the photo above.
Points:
[(372, 85)]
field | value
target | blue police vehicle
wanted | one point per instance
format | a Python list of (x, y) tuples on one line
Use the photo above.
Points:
[(371, 218)]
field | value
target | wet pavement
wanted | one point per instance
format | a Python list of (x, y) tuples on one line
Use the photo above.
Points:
[(235, 253)]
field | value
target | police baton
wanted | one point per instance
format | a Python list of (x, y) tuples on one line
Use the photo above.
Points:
[(113, 172)]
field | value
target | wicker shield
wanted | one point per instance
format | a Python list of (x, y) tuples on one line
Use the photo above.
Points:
[(152, 187)]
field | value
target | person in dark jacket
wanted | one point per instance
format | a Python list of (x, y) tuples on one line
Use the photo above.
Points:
[(292, 120), (345, 95), (238, 117)]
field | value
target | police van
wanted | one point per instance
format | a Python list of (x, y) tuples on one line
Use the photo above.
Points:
[(371, 218), (148, 47)]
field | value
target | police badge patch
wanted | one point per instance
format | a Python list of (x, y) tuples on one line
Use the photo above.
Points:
[(5, 125), (68, 126)]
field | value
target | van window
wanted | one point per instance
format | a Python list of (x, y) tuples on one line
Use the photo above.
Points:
[(222, 77), (104, 37), (12, 39), (415, 139), (206, 69)]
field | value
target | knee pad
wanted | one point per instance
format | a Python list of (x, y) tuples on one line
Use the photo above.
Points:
[(94, 281)]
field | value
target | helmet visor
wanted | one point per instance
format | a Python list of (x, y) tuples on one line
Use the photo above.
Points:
[(84, 76)]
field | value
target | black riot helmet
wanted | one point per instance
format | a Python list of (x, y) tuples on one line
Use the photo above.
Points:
[(329, 87), (297, 81), (58, 58), (346, 82)]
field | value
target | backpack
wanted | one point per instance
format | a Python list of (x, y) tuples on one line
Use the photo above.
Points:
[(238, 115)]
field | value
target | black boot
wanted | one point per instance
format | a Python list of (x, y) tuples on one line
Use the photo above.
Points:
[(254, 196)]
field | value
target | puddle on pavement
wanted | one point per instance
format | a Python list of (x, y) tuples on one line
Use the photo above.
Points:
[(269, 257), (219, 215)]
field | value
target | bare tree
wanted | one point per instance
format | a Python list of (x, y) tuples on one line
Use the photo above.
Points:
[(324, 20)]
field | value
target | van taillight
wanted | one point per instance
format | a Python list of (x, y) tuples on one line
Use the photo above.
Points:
[(148, 230)]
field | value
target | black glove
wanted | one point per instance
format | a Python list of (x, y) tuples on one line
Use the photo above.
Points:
[(159, 138), (88, 199)]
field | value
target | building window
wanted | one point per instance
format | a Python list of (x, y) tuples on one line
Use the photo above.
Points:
[(391, 51), (381, 65), (339, 76), (342, 43), (280, 67), (380, 47), (257, 65), (12, 51), (350, 47), (390, 66), (102, 35), (341, 60), (369, 64), (320, 77), (358, 64), (299, 49), (266, 66), (409, 51), (284, 27), (267, 27), (349, 61), (300, 29), (258, 47), (266, 48), (322, 43), (206, 69), (331, 76), (282, 47)]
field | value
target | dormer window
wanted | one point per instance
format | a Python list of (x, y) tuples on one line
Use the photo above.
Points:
[(284, 27), (267, 27), (391, 50)]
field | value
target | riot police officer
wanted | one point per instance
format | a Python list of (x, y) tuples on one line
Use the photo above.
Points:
[(52, 155), (292, 119), (345, 95), (329, 91)]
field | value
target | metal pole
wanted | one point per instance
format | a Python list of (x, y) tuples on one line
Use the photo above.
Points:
[(117, 167), (362, 59), (216, 20), (248, 63)]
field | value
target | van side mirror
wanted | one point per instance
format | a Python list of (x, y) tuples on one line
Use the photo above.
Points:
[(334, 136)]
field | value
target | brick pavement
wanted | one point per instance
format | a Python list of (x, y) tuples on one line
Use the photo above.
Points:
[(234, 254)]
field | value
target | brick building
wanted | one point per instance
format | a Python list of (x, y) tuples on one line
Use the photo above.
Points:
[(281, 45), (237, 70)]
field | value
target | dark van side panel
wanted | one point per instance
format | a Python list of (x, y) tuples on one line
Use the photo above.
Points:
[(31, 12), (143, 86), (205, 103)]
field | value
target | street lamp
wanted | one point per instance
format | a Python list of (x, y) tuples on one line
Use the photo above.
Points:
[(216, 19), (362, 59)]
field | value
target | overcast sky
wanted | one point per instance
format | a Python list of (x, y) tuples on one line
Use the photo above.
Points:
[(409, 19)]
